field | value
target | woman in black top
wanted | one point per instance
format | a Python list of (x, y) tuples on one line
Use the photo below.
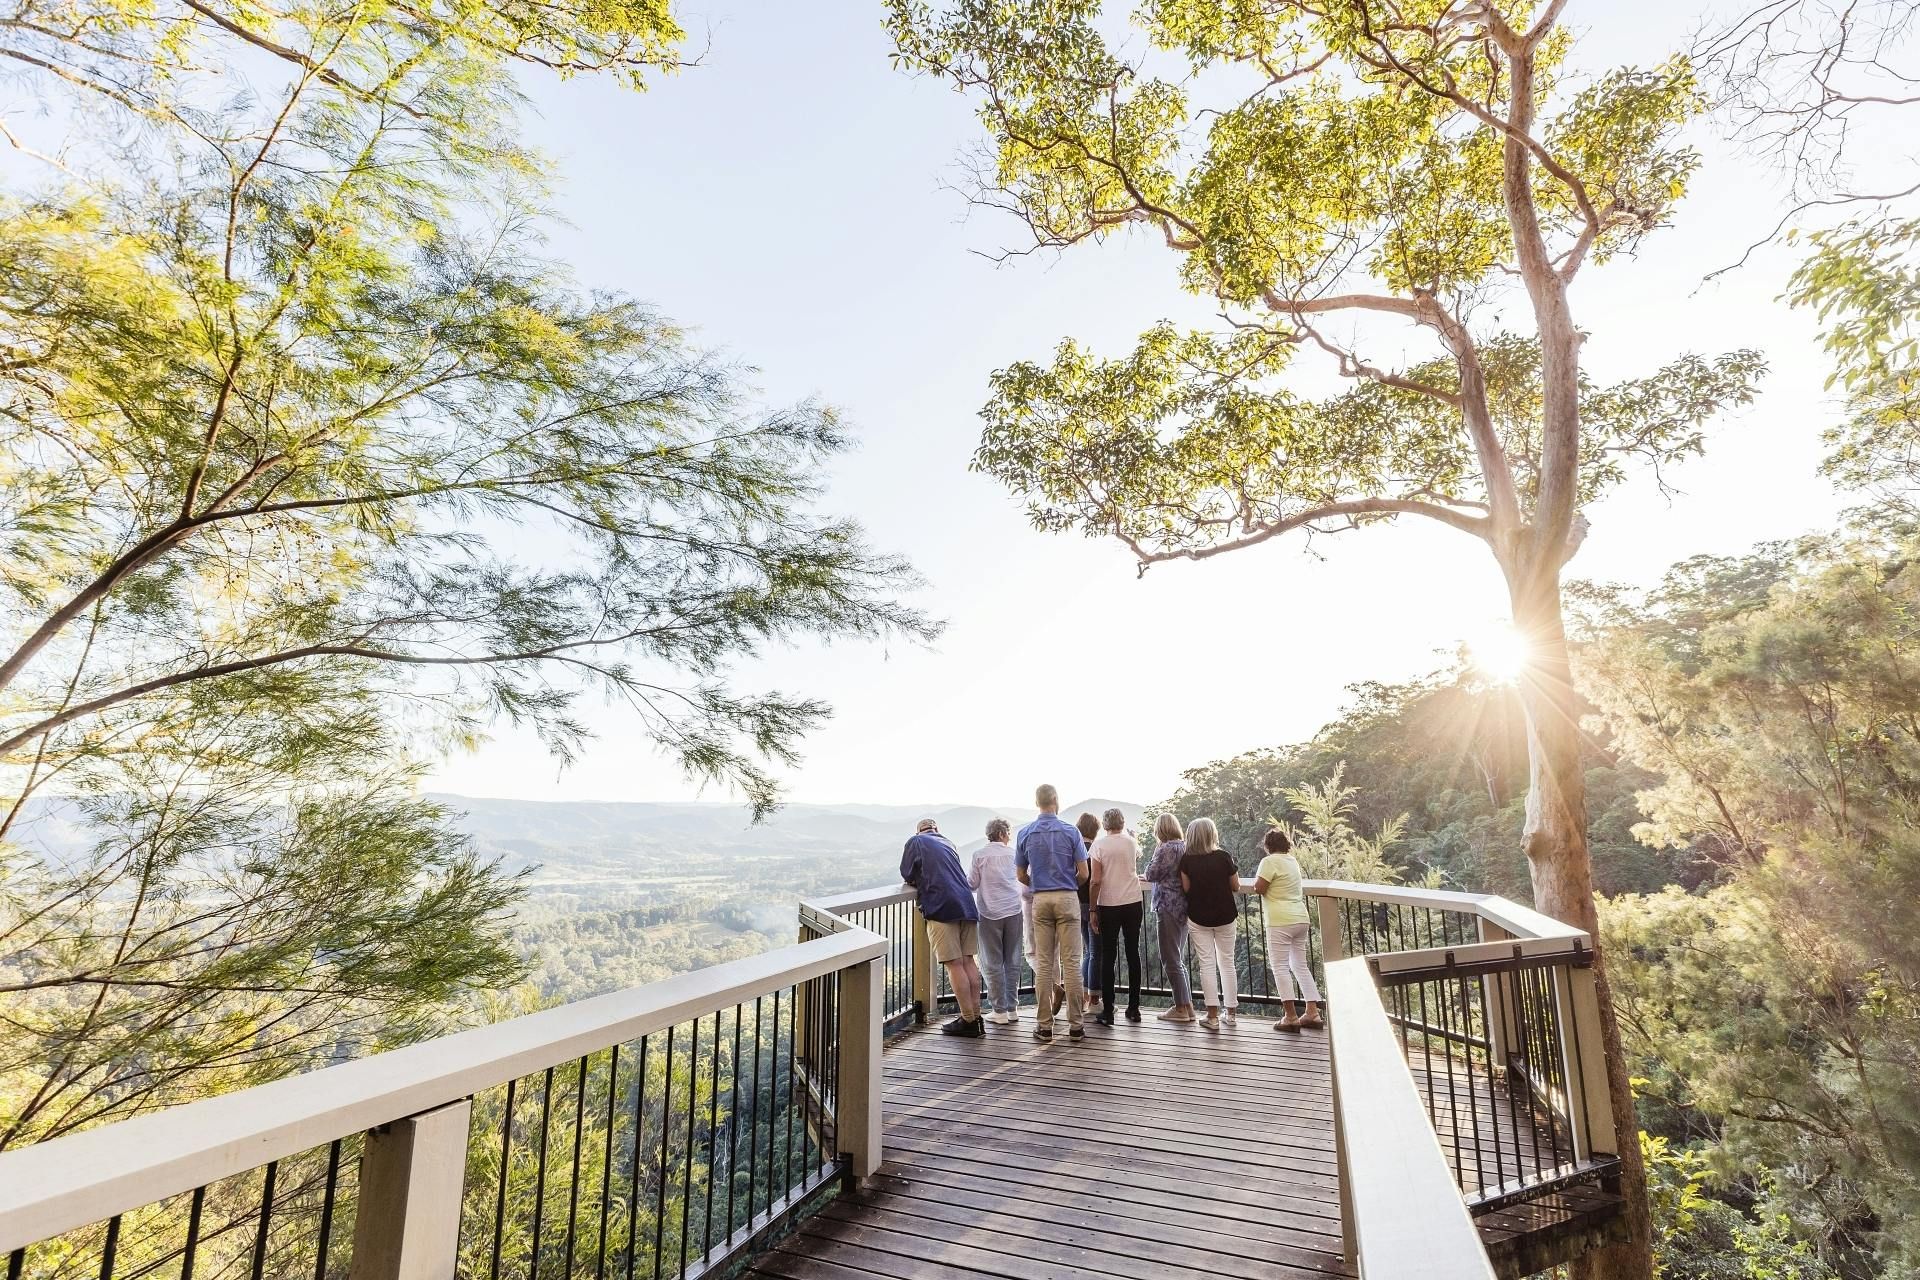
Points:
[(1212, 884)]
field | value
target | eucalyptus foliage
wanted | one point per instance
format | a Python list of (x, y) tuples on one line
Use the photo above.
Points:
[(1777, 1016), (314, 466)]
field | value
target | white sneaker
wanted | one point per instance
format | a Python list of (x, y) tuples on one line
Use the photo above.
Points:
[(1227, 1019), (1209, 1023), (999, 1019)]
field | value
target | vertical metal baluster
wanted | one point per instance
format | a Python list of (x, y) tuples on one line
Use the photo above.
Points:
[(666, 1133), (1525, 1014), (16, 1263), (266, 1220), (793, 1027), (1467, 1050), (753, 1114), (1426, 1047), (713, 1135), (1557, 1085), (540, 1175), (693, 1106), (633, 1174), (326, 1210), (606, 1159), (1444, 994), (816, 1003), (193, 1234), (500, 1197), (733, 1118), (112, 1247), (1493, 1099), (573, 1181)]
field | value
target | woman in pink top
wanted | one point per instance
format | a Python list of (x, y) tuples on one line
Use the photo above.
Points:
[(1114, 888)]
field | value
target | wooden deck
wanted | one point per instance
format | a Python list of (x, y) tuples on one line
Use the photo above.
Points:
[(1144, 1152)]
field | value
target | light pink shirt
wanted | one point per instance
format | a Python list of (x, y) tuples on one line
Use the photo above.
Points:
[(1117, 854)]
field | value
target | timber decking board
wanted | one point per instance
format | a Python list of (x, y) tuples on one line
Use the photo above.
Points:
[(1144, 1151)]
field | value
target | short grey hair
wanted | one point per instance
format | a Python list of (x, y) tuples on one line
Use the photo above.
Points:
[(1046, 796), (925, 824), (999, 830), (1114, 820)]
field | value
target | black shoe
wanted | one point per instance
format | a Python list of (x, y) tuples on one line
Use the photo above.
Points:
[(1133, 1013), (1076, 1033), (1104, 1018), (970, 1028), (1043, 1034)]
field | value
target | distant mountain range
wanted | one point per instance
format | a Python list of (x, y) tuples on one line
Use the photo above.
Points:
[(557, 834), (578, 842)]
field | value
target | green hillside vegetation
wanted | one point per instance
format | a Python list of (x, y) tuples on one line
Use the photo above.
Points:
[(1753, 754)]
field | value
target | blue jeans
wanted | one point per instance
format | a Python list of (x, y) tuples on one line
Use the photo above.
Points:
[(1000, 961), (1089, 952)]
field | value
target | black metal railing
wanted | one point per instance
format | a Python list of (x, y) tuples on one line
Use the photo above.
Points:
[(663, 1157), (656, 1157), (895, 917), (1497, 1061), (291, 1217)]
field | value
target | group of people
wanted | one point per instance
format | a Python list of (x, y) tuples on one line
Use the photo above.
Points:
[(1069, 897)]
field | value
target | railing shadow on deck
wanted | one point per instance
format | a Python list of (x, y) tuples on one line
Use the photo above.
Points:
[(665, 1130)]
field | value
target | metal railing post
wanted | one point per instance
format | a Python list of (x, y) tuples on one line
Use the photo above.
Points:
[(863, 1011), (922, 968), (412, 1175)]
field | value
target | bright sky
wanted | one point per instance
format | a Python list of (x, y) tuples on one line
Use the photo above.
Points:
[(791, 200)]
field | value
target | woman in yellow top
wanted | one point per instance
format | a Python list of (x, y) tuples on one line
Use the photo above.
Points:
[(1284, 903)]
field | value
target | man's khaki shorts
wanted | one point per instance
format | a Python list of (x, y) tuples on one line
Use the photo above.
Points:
[(953, 939)]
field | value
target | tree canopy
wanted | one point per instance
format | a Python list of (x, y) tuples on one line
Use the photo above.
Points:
[(1343, 164)]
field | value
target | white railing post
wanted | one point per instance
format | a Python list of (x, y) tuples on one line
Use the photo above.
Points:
[(412, 1176), (863, 1007), (1589, 1105), (922, 967), (1333, 946), (1499, 1013)]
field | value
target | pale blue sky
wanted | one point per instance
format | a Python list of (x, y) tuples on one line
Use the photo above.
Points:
[(788, 200)]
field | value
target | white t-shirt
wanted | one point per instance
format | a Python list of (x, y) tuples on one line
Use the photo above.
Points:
[(1117, 854)]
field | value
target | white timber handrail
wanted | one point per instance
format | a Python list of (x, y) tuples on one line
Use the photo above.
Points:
[(1402, 1215), (70, 1182)]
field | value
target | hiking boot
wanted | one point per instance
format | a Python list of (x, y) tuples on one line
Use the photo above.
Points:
[(1076, 1033), (1043, 1034)]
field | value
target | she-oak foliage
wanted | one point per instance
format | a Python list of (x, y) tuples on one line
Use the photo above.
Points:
[(312, 464), (1328, 172)]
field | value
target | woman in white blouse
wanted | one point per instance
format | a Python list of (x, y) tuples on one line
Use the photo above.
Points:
[(996, 892)]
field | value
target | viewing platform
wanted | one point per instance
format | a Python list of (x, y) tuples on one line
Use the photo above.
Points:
[(793, 1115)]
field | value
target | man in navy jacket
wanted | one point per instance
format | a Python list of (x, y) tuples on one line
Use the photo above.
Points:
[(932, 866)]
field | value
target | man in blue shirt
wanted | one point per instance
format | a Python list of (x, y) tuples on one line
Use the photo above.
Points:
[(932, 866), (1050, 857)]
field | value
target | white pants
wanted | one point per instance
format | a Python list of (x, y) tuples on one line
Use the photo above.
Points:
[(1287, 957), (1213, 951)]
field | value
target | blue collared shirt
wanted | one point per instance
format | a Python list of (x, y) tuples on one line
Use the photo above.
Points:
[(1050, 851), (930, 864)]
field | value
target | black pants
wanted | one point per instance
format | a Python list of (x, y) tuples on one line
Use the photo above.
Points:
[(1117, 923)]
